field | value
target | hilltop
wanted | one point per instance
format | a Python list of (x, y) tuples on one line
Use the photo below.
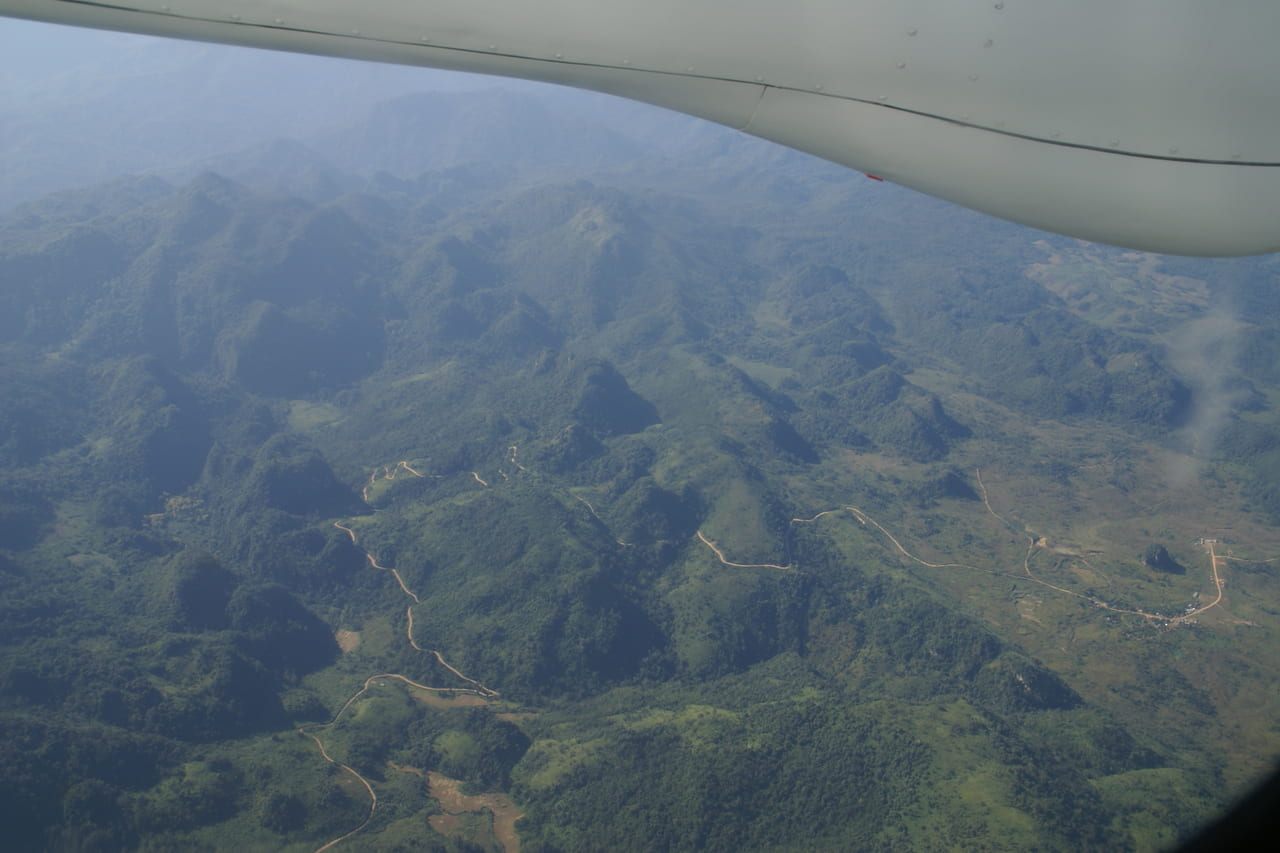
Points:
[(734, 502)]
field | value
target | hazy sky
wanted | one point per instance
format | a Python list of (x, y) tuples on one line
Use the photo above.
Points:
[(79, 105)]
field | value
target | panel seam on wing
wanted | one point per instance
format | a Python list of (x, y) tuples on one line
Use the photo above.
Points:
[(746, 128)]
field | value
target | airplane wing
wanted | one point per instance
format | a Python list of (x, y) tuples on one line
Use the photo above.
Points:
[(1154, 126)]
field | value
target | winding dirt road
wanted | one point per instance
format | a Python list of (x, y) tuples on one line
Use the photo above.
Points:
[(476, 688), (865, 519), (720, 556), (388, 472), (373, 562), (482, 692), (373, 795), (1027, 573), (1218, 580), (597, 517)]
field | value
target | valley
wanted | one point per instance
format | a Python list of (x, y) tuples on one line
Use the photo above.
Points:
[(710, 499)]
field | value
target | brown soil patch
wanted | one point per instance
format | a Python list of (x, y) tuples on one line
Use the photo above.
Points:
[(448, 792), (515, 717), (445, 824), (347, 640)]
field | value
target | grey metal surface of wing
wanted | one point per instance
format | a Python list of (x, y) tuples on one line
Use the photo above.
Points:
[(1149, 125)]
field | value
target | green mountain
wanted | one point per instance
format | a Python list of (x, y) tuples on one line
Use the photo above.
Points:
[(722, 503)]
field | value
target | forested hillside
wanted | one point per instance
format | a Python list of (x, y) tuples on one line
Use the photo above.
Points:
[(706, 499)]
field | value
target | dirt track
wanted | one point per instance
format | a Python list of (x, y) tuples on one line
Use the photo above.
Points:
[(720, 556), (1027, 573), (476, 690)]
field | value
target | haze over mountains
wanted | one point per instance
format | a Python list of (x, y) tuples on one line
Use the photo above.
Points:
[(735, 501)]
